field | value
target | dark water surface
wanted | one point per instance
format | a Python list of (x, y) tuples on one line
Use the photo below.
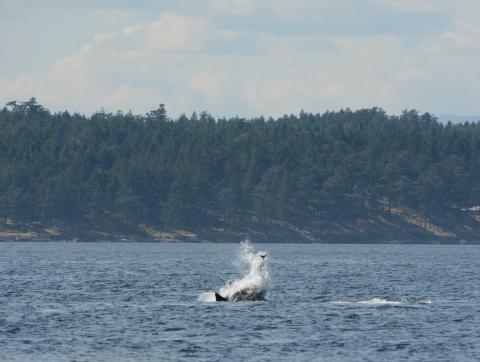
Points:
[(138, 302)]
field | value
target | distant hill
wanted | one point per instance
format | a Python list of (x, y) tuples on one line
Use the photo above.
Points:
[(458, 119), (337, 176)]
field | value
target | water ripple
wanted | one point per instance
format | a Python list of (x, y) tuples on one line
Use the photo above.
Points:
[(140, 302)]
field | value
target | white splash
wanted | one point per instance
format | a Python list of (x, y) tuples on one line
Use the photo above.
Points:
[(381, 301), (254, 283), (206, 297)]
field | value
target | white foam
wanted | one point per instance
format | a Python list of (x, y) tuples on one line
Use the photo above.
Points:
[(340, 302), (425, 301), (381, 301), (49, 311), (255, 275), (206, 297)]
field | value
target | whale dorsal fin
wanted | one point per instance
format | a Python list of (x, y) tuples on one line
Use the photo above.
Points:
[(219, 298)]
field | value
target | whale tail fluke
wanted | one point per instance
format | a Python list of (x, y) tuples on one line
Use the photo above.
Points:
[(219, 298)]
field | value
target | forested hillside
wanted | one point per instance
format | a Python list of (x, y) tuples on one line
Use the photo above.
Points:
[(197, 172)]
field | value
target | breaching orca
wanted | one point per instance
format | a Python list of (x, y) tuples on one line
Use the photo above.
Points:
[(251, 287)]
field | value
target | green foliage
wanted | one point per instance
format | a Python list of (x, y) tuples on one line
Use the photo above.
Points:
[(196, 172)]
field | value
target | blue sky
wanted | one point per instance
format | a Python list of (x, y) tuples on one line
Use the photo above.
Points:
[(242, 57)]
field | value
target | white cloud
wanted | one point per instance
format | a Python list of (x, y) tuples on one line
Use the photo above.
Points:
[(152, 54), (22, 87), (466, 35), (175, 33), (172, 32), (196, 63), (100, 38), (132, 29), (463, 36), (207, 84), (121, 98)]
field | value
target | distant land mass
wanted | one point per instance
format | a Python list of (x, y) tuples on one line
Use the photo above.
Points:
[(347, 176), (458, 119)]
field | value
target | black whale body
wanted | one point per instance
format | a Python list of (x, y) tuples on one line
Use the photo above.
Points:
[(243, 295), (219, 298)]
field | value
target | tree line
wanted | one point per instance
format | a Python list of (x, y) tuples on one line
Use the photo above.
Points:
[(199, 171)]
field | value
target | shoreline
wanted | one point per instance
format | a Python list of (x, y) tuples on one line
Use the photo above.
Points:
[(376, 234)]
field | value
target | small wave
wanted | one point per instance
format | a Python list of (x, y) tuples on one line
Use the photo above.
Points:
[(340, 302), (51, 311), (425, 301), (381, 301)]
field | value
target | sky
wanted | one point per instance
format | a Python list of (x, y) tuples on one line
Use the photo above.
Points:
[(242, 57)]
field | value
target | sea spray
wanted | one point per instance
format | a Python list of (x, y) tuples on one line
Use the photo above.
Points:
[(206, 297), (383, 302), (253, 285)]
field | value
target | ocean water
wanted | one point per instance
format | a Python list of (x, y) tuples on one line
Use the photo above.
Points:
[(141, 302)]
